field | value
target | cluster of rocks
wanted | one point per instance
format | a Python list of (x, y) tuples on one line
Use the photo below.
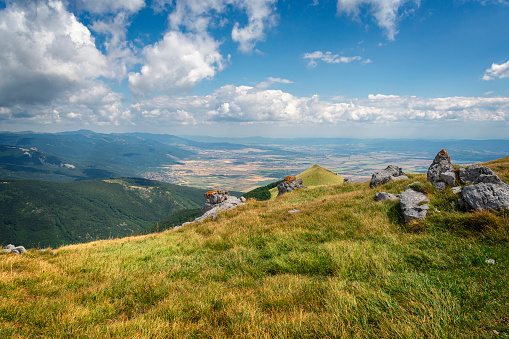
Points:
[(216, 201), (486, 192), (391, 173), (14, 249), (483, 190), (289, 184)]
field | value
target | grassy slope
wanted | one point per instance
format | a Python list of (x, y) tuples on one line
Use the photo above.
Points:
[(345, 266), (318, 176), (313, 177)]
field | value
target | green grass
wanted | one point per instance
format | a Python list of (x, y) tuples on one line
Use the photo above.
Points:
[(317, 176), (345, 266)]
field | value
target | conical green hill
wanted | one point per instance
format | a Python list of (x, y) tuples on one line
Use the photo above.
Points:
[(315, 176), (318, 176)]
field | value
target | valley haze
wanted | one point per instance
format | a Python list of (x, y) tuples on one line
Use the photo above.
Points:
[(236, 164)]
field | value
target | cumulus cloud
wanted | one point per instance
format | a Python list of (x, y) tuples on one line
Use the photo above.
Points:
[(260, 16), (45, 53), (385, 12), (177, 62), (329, 58), (246, 104), (497, 71), (198, 16)]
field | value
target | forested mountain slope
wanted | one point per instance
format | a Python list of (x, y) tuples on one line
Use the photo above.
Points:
[(38, 214)]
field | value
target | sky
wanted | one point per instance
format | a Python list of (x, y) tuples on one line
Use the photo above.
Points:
[(428, 69)]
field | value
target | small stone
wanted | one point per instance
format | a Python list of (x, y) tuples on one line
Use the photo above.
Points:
[(10, 247), (20, 249), (293, 211), (456, 190), (242, 199), (385, 196), (490, 261)]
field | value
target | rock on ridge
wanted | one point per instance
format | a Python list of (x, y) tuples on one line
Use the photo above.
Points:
[(289, 184), (216, 201), (414, 205), (441, 172), (390, 173), (14, 249)]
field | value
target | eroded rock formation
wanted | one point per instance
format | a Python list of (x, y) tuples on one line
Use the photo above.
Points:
[(289, 184), (390, 173), (441, 172)]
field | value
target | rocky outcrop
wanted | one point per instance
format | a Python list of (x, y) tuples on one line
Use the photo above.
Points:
[(441, 172), (213, 198), (289, 184), (414, 205), (215, 202), (390, 173), (478, 174), (14, 249), (386, 196)]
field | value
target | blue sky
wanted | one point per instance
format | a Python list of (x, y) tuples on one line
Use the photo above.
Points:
[(324, 68)]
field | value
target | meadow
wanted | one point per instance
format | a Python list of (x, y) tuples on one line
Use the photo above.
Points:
[(344, 266)]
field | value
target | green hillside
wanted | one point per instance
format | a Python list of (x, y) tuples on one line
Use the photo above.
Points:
[(344, 266), (314, 176), (317, 176), (40, 214)]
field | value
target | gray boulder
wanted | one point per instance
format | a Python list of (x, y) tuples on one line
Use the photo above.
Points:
[(486, 196), (213, 198), (476, 174), (289, 184), (386, 196), (414, 205), (14, 249), (441, 172), (390, 173)]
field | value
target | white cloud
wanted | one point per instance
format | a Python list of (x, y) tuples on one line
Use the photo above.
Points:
[(270, 81), (45, 53), (110, 6), (260, 17), (385, 12), (245, 104), (329, 58), (497, 71), (177, 62), (198, 16)]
